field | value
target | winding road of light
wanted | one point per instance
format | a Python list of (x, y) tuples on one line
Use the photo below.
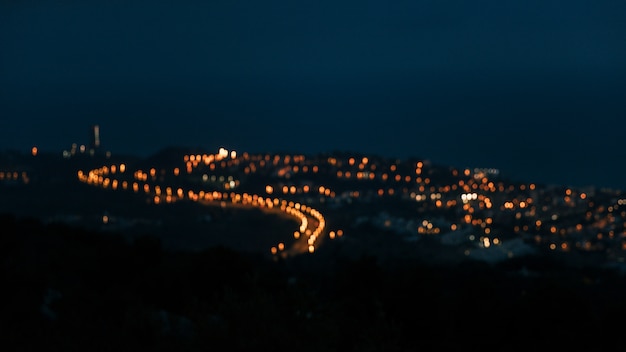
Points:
[(117, 177)]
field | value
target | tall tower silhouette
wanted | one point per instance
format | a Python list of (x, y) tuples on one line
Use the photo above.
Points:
[(94, 142)]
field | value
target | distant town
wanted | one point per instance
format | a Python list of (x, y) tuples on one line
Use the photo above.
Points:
[(191, 250), (362, 202)]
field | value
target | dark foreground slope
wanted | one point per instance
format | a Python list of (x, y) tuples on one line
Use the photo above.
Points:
[(69, 289)]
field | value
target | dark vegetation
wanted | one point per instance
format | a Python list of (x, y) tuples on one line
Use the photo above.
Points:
[(67, 288)]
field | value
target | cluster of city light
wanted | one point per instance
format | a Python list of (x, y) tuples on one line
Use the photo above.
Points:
[(303, 213), (14, 176), (295, 189), (472, 191), (427, 227), (466, 197), (487, 242), (312, 222), (297, 210), (476, 192), (289, 170), (362, 169)]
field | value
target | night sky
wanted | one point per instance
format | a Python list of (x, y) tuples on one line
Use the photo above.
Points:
[(536, 88)]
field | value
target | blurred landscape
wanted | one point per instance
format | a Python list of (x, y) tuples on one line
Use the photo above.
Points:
[(312, 176), (196, 256)]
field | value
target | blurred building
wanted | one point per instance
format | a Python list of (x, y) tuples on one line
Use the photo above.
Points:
[(94, 141)]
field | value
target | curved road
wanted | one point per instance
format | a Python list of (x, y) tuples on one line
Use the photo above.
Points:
[(303, 240)]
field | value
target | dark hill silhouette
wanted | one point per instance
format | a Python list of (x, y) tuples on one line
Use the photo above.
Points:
[(70, 289)]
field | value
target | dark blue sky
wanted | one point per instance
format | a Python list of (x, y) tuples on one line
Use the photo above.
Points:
[(536, 88)]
